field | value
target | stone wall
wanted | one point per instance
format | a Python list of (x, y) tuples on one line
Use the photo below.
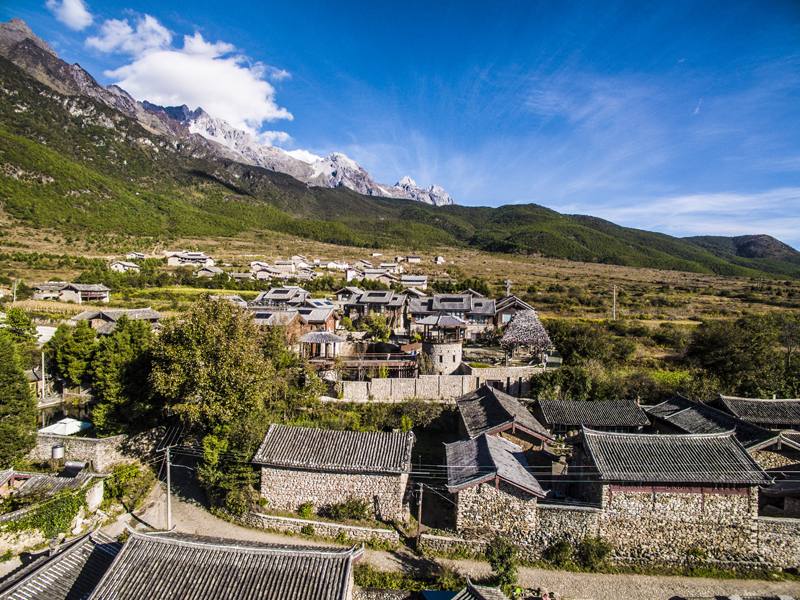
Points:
[(362, 593), (513, 380), (777, 459), (666, 525), (483, 509), (779, 540), (331, 530), (102, 454), (287, 489)]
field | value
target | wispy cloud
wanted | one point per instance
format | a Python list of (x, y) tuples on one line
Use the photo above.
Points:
[(772, 212), (226, 84), (72, 13)]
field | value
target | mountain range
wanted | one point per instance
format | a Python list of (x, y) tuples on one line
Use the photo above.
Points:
[(21, 46), (89, 160)]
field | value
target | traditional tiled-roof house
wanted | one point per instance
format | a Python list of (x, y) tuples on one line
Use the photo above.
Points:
[(387, 303), (282, 297), (669, 493), (325, 467), (49, 290), (565, 417), (416, 281), (493, 486), (682, 415), (121, 266), (73, 570), (85, 292), (506, 308), (105, 321), (478, 313), (767, 413), (208, 272), (492, 412), (166, 566), (191, 259), (136, 255)]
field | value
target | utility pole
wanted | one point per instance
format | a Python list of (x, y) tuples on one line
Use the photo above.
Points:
[(419, 513), (614, 314), (44, 383), (508, 287), (15, 291), (169, 502)]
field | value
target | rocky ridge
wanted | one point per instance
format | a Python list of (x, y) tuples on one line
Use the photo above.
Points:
[(20, 45)]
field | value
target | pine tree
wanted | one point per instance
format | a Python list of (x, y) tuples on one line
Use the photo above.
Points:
[(17, 405), (74, 353)]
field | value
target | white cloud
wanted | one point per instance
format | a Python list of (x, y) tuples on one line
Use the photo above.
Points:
[(73, 13), (119, 36), (200, 74), (269, 138), (304, 155), (773, 212)]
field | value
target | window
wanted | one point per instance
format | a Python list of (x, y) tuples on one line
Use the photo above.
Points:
[(441, 358)]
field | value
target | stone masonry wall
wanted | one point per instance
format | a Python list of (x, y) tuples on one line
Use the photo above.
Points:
[(286, 489), (100, 453), (352, 534), (779, 540), (483, 509), (666, 525)]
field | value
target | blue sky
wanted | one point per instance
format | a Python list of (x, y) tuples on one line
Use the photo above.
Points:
[(680, 117)]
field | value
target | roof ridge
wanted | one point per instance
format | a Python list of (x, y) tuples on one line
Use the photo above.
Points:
[(154, 535)]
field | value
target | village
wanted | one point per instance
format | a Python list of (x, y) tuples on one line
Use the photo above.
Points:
[(476, 467)]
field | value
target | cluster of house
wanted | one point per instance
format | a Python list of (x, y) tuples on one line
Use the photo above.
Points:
[(675, 476)]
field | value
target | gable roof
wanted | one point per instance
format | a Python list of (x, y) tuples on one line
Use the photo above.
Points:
[(89, 287), (765, 411), (612, 413), (484, 458), (341, 451), (72, 572), (716, 458), (479, 592), (513, 302), (163, 565), (114, 314), (487, 410), (442, 321), (694, 417)]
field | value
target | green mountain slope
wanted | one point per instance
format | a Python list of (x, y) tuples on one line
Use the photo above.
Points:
[(74, 164)]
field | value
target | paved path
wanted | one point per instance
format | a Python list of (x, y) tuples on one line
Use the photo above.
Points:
[(189, 515)]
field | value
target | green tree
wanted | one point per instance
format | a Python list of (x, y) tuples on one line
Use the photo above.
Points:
[(503, 557), (17, 405), (20, 325), (120, 371), (210, 365), (73, 353), (376, 326)]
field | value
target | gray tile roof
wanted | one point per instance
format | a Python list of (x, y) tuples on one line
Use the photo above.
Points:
[(613, 413), (322, 337), (315, 315), (763, 411), (374, 297), (46, 485), (89, 287), (481, 459), (513, 301), (442, 321), (163, 566), (134, 314), (69, 574), (341, 451), (451, 302), (672, 459), (51, 286), (486, 410), (695, 417), (479, 592)]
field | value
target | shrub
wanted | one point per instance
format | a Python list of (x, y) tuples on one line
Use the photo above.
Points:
[(263, 501), (560, 553), (695, 552), (307, 529), (352, 509), (504, 559), (593, 551), (305, 510), (341, 538)]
